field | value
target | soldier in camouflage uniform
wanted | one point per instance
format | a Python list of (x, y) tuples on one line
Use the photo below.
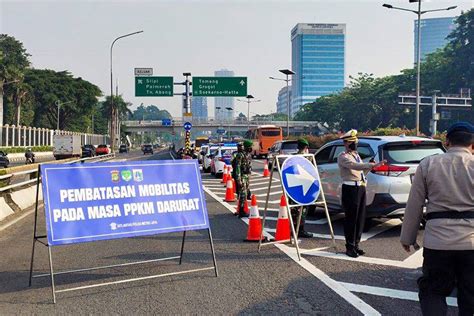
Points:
[(303, 146), (241, 169)]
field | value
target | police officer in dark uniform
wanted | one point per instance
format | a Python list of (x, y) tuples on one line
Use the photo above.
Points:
[(352, 170), (446, 181)]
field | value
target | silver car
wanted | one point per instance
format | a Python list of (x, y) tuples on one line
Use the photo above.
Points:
[(282, 147), (388, 186)]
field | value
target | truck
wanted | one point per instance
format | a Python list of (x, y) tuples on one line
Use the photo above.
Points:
[(66, 146)]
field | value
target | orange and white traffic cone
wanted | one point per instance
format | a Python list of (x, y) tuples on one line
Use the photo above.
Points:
[(224, 175), (229, 192), (246, 206), (266, 172), (283, 223), (255, 222)]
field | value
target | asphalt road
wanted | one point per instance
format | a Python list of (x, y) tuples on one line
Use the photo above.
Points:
[(270, 282)]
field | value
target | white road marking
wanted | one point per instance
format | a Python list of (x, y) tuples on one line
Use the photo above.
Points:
[(363, 259), (415, 260), (260, 188), (265, 194), (334, 285), (218, 199), (392, 293)]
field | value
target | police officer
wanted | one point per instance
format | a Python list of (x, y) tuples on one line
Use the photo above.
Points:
[(446, 181), (354, 182), (303, 146), (241, 170)]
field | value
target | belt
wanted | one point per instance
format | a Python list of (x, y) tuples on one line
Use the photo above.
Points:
[(355, 183), (450, 214)]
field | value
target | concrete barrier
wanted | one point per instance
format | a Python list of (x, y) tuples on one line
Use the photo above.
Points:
[(25, 198), (5, 209)]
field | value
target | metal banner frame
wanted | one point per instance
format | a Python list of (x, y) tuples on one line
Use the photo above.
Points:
[(321, 201), (41, 239)]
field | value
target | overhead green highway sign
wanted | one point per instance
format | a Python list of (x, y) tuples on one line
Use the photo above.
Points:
[(153, 86), (219, 86)]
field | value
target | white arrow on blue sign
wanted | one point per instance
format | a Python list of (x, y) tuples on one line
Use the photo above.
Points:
[(187, 126), (300, 179)]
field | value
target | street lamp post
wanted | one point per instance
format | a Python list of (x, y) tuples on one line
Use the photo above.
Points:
[(248, 101), (58, 104), (287, 73), (419, 13), (113, 111), (228, 130)]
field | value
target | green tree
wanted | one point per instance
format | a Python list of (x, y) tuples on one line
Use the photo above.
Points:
[(150, 113), (13, 62), (49, 86)]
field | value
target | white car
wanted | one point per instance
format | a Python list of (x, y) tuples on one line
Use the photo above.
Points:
[(222, 157), (388, 186), (206, 159)]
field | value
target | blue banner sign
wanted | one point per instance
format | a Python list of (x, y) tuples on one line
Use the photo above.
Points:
[(166, 122), (101, 201)]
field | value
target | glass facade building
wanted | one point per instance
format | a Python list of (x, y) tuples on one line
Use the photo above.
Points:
[(433, 34), (222, 103), (282, 102), (318, 59), (199, 108)]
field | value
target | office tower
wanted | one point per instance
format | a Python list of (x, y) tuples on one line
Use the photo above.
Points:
[(199, 108), (282, 103), (223, 104), (433, 34), (318, 59)]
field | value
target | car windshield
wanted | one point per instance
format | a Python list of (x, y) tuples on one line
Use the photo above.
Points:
[(228, 151), (289, 146), (147, 146), (102, 146), (410, 153)]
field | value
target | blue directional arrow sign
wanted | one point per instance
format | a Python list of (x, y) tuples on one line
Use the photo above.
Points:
[(300, 180), (187, 126)]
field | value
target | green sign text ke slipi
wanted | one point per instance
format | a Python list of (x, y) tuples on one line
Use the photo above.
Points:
[(153, 86)]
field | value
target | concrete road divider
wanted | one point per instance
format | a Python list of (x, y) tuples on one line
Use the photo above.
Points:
[(5, 209), (25, 198)]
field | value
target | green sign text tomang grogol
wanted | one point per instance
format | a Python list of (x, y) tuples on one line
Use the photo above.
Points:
[(219, 86)]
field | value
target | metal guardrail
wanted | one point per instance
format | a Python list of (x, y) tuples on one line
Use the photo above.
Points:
[(20, 184)]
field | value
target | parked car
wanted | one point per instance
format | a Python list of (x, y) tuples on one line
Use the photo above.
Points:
[(207, 158), (123, 148), (282, 147), (88, 151), (388, 186), (102, 150), (147, 149), (222, 156), (4, 161)]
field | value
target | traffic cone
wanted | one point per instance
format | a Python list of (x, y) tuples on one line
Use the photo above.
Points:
[(266, 172), (224, 175), (255, 222), (283, 223), (234, 187), (246, 206), (229, 192)]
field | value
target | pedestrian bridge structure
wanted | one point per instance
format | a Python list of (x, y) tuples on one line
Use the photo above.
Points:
[(211, 126)]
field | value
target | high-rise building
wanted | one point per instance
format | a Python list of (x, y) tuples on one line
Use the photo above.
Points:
[(199, 108), (433, 34), (282, 102), (318, 59), (222, 104)]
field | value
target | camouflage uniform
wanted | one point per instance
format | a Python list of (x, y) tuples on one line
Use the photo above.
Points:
[(241, 166)]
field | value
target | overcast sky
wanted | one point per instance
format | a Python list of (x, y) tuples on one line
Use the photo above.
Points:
[(252, 38)]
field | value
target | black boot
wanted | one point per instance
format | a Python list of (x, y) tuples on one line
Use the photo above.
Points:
[(351, 251), (359, 251), (303, 233)]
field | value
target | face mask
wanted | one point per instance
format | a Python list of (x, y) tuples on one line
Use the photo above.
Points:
[(353, 146)]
